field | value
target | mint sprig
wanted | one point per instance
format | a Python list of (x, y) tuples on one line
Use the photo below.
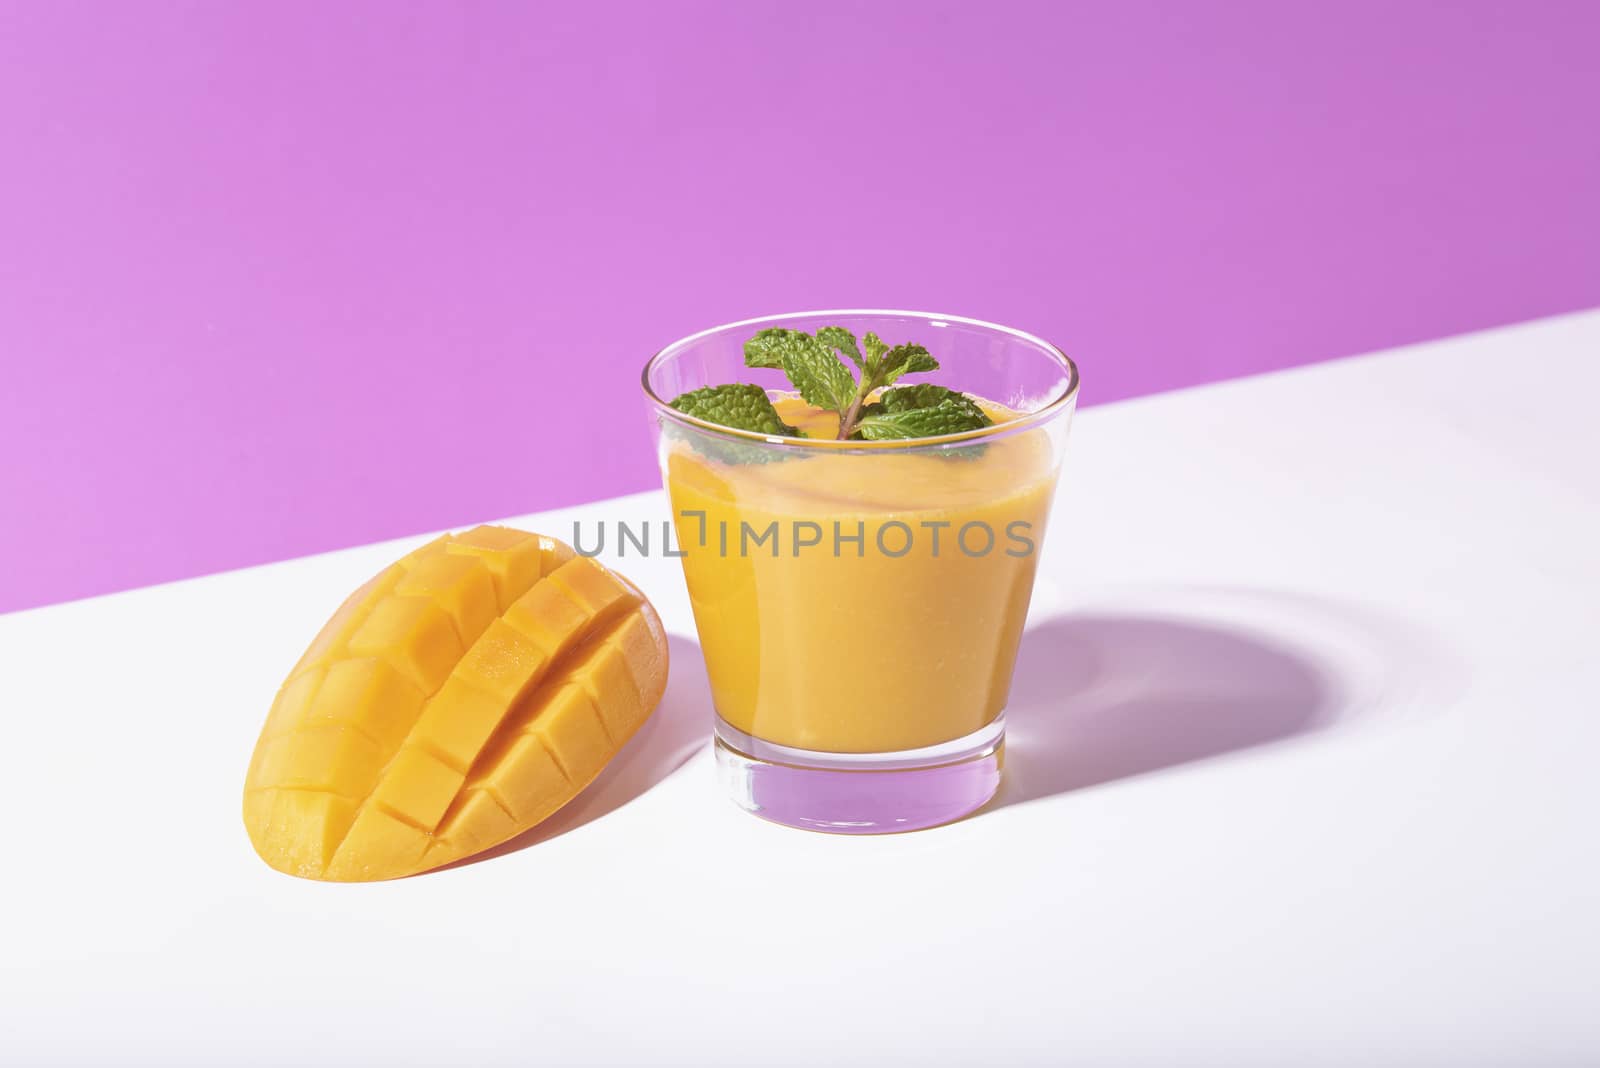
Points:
[(883, 366), (814, 366)]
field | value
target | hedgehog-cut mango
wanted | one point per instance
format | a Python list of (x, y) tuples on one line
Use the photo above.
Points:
[(456, 700)]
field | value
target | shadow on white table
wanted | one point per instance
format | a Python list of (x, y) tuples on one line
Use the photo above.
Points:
[(1097, 698)]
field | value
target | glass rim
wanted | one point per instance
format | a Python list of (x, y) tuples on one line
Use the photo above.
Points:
[(1028, 420)]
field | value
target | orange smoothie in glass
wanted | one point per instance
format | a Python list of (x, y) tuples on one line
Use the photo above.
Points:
[(859, 546), (861, 602)]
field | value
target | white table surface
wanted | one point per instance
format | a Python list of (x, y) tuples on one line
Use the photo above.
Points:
[(1302, 772)]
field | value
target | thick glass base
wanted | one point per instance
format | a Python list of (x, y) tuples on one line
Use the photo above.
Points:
[(861, 793)]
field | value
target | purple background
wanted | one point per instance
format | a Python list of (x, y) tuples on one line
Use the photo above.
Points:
[(277, 278)]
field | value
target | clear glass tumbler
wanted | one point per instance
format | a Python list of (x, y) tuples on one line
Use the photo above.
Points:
[(860, 604)]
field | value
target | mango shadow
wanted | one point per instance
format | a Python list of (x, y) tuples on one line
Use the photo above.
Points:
[(1097, 698)]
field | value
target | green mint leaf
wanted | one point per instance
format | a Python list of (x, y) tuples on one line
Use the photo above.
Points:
[(875, 350), (837, 337), (767, 347), (741, 406), (922, 395), (820, 376), (946, 417), (905, 360), (928, 395)]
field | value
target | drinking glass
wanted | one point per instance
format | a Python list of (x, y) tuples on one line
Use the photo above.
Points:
[(860, 604)]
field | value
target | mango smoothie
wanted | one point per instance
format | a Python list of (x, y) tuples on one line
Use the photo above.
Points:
[(855, 600)]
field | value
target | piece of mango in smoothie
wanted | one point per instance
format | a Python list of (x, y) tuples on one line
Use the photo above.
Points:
[(453, 702)]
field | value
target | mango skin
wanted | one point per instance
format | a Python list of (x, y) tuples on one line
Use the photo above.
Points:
[(454, 701)]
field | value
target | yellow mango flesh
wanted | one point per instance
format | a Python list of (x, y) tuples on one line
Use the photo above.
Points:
[(453, 702)]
